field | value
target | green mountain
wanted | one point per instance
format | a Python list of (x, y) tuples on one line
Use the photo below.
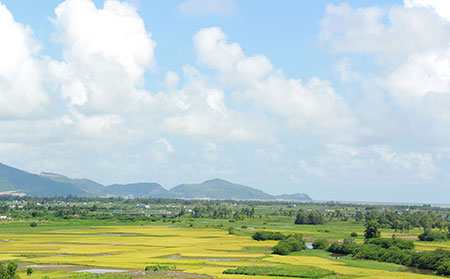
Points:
[(84, 184), (18, 181), (15, 181), (136, 190), (219, 189)]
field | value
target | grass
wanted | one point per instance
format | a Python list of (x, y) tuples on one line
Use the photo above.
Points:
[(302, 272)]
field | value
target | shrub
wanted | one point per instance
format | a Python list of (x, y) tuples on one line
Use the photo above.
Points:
[(391, 242), (291, 243), (159, 268), (345, 249), (264, 235), (432, 236), (33, 224), (353, 234), (444, 268), (282, 248), (321, 244), (9, 271)]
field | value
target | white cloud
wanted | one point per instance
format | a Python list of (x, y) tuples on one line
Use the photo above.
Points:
[(314, 106), (441, 7), (411, 45), (22, 92), (213, 50), (111, 44), (166, 143), (419, 164), (207, 7), (382, 30), (345, 71)]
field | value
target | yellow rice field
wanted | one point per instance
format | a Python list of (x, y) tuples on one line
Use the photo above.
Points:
[(194, 250)]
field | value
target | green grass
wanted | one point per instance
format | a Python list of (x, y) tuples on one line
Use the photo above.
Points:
[(302, 272)]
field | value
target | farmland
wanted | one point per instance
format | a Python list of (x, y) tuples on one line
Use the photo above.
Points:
[(189, 247)]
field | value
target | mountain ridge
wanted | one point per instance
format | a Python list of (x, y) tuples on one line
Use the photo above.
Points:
[(14, 180)]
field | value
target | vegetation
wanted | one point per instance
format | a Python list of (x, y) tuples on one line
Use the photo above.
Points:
[(302, 272), (371, 230), (311, 217), (267, 235), (291, 243), (8, 271), (159, 268), (321, 244), (208, 237)]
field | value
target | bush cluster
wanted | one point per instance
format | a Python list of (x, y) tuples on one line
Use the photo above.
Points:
[(321, 244), (159, 268), (266, 235), (390, 242), (429, 235), (292, 243)]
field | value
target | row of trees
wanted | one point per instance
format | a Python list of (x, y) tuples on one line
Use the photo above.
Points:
[(221, 212), (398, 252)]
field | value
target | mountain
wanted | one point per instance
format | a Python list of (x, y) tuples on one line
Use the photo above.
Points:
[(84, 184), (219, 189), (18, 181), (136, 190), (15, 181), (293, 197)]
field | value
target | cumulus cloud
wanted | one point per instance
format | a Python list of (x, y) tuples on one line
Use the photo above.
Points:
[(441, 7), (313, 106), (111, 44), (382, 30), (206, 7), (411, 45), (22, 91)]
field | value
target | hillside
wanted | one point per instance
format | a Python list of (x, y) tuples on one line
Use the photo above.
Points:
[(12, 179), (84, 184)]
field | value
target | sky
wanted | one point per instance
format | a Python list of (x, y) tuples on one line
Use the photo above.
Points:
[(341, 100)]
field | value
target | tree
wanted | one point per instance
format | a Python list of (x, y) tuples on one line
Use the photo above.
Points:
[(29, 271), (371, 230), (321, 244), (312, 217), (359, 216)]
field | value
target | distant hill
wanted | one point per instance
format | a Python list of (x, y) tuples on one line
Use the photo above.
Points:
[(293, 197), (12, 179), (136, 190), (222, 189), (84, 184), (219, 189), (15, 181)]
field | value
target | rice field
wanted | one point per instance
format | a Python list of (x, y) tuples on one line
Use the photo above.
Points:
[(56, 252)]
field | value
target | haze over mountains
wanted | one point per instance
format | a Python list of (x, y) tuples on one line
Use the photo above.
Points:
[(16, 181)]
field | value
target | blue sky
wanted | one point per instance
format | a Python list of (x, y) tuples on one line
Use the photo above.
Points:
[(343, 100)]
